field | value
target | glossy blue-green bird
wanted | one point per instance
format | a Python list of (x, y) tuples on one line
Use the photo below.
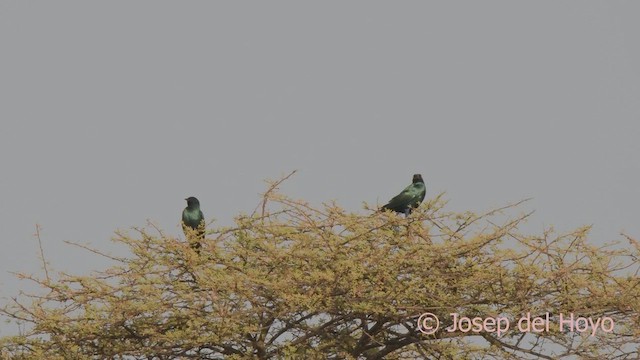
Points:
[(409, 199), (193, 223)]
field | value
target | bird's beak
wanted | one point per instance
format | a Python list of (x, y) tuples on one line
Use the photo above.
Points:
[(185, 199)]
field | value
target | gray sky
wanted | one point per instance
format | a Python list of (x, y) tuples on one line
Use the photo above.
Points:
[(113, 112)]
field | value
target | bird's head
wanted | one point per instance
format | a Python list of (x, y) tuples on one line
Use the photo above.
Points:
[(417, 178), (192, 202)]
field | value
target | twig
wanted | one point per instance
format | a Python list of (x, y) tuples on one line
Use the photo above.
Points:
[(95, 251), (44, 261), (273, 186)]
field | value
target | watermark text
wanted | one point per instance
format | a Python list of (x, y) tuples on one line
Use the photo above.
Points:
[(429, 323)]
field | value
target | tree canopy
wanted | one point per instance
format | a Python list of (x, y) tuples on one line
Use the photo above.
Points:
[(292, 280)]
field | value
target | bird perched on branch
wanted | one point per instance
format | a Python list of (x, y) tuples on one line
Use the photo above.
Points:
[(193, 223), (409, 199)]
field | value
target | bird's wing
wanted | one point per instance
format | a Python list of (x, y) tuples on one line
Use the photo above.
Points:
[(185, 218), (421, 195), (403, 199)]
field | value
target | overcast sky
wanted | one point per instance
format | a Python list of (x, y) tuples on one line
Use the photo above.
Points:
[(113, 112)]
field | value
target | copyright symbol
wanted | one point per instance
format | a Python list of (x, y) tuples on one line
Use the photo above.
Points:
[(428, 323)]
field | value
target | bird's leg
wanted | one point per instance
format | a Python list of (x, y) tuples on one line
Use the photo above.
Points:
[(407, 211)]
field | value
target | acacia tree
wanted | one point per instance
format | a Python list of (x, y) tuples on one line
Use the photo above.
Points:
[(296, 281)]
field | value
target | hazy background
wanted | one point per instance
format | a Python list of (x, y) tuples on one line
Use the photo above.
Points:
[(113, 112)]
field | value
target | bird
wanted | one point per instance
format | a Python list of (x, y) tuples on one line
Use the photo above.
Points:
[(409, 199), (193, 223)]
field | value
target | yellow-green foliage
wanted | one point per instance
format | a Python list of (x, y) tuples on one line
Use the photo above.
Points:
[(301, 282)]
